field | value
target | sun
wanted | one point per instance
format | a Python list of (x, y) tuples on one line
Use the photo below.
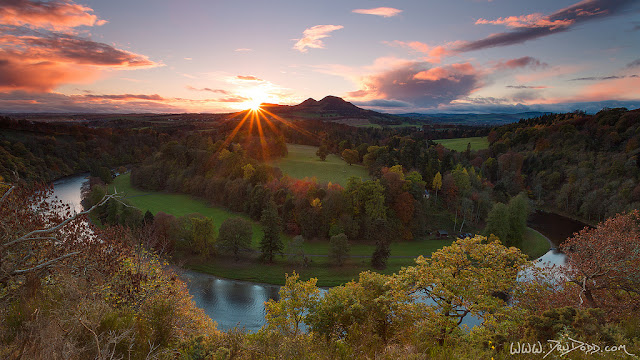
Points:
[(254, 104)]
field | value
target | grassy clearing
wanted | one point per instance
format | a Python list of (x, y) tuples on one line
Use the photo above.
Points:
[(319, 267), (179, 205), (302, 162), (460, 144), (534, 244), (250, 269)]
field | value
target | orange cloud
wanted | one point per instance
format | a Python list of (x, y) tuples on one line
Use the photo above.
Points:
[(453, 72), (312, 37), (53, 15), (16, 73), (529, 21), (418, 84), (380, 11), (248, 78), (617, 89), (34, 61), (435, 54)]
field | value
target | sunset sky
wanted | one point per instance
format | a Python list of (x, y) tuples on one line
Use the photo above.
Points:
[(393, 56)]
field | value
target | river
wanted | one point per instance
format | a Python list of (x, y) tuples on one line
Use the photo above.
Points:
[(230, 303), (233, 303)]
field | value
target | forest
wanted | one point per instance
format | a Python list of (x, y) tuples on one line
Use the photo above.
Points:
[(131, 306)]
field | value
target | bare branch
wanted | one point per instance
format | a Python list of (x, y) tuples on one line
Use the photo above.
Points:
[(29, 235), (94, 336), (45, 264), (6, 194)]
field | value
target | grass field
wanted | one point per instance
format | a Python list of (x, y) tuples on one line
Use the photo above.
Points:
[(250, 269), (302, 162), (402, 254), (178, 205), (534, 244), (460, 144)]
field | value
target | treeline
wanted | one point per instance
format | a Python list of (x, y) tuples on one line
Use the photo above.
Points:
[(33, 152), (331, 134), (584, 165)]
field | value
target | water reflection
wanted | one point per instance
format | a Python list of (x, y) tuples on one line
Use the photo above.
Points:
[(230, 303), (69, 190)]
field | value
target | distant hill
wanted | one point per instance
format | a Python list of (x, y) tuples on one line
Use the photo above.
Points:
[(333, 108), (472, 119)]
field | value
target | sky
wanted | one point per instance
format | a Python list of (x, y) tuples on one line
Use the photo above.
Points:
[(401, 56)]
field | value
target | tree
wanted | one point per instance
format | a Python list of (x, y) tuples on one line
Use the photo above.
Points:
[(271, 242), (437, 183), (322, 152), (509, 222), (235, 236), (350, 156), (34, 241), (604, 263), (518, 214), (339, 248), (148, 218), (291, 311), (367, 313), (383, 242), (498, 222), (463, 279), (199, 233), (295, 250)]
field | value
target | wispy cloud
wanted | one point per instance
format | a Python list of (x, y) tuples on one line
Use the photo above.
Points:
[(635, 63), (522, 62), (312, 37), (526, 87), (533, 26), (603, 78), (243, 50), (248, 78), (215, 91), (125, 97), (528, 21), (435, 54), (380, 11), (53, 15)]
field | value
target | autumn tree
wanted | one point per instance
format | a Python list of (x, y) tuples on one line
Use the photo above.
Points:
[(367, 314), (339, 248), (463, 279), (288, 314), (350, 156), (271, 242), (604, 262), (235, 236), (199, 234), (437, 183)]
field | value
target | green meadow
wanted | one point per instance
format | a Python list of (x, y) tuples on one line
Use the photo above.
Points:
[(319, 265), (302, 162), (460, 144)]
